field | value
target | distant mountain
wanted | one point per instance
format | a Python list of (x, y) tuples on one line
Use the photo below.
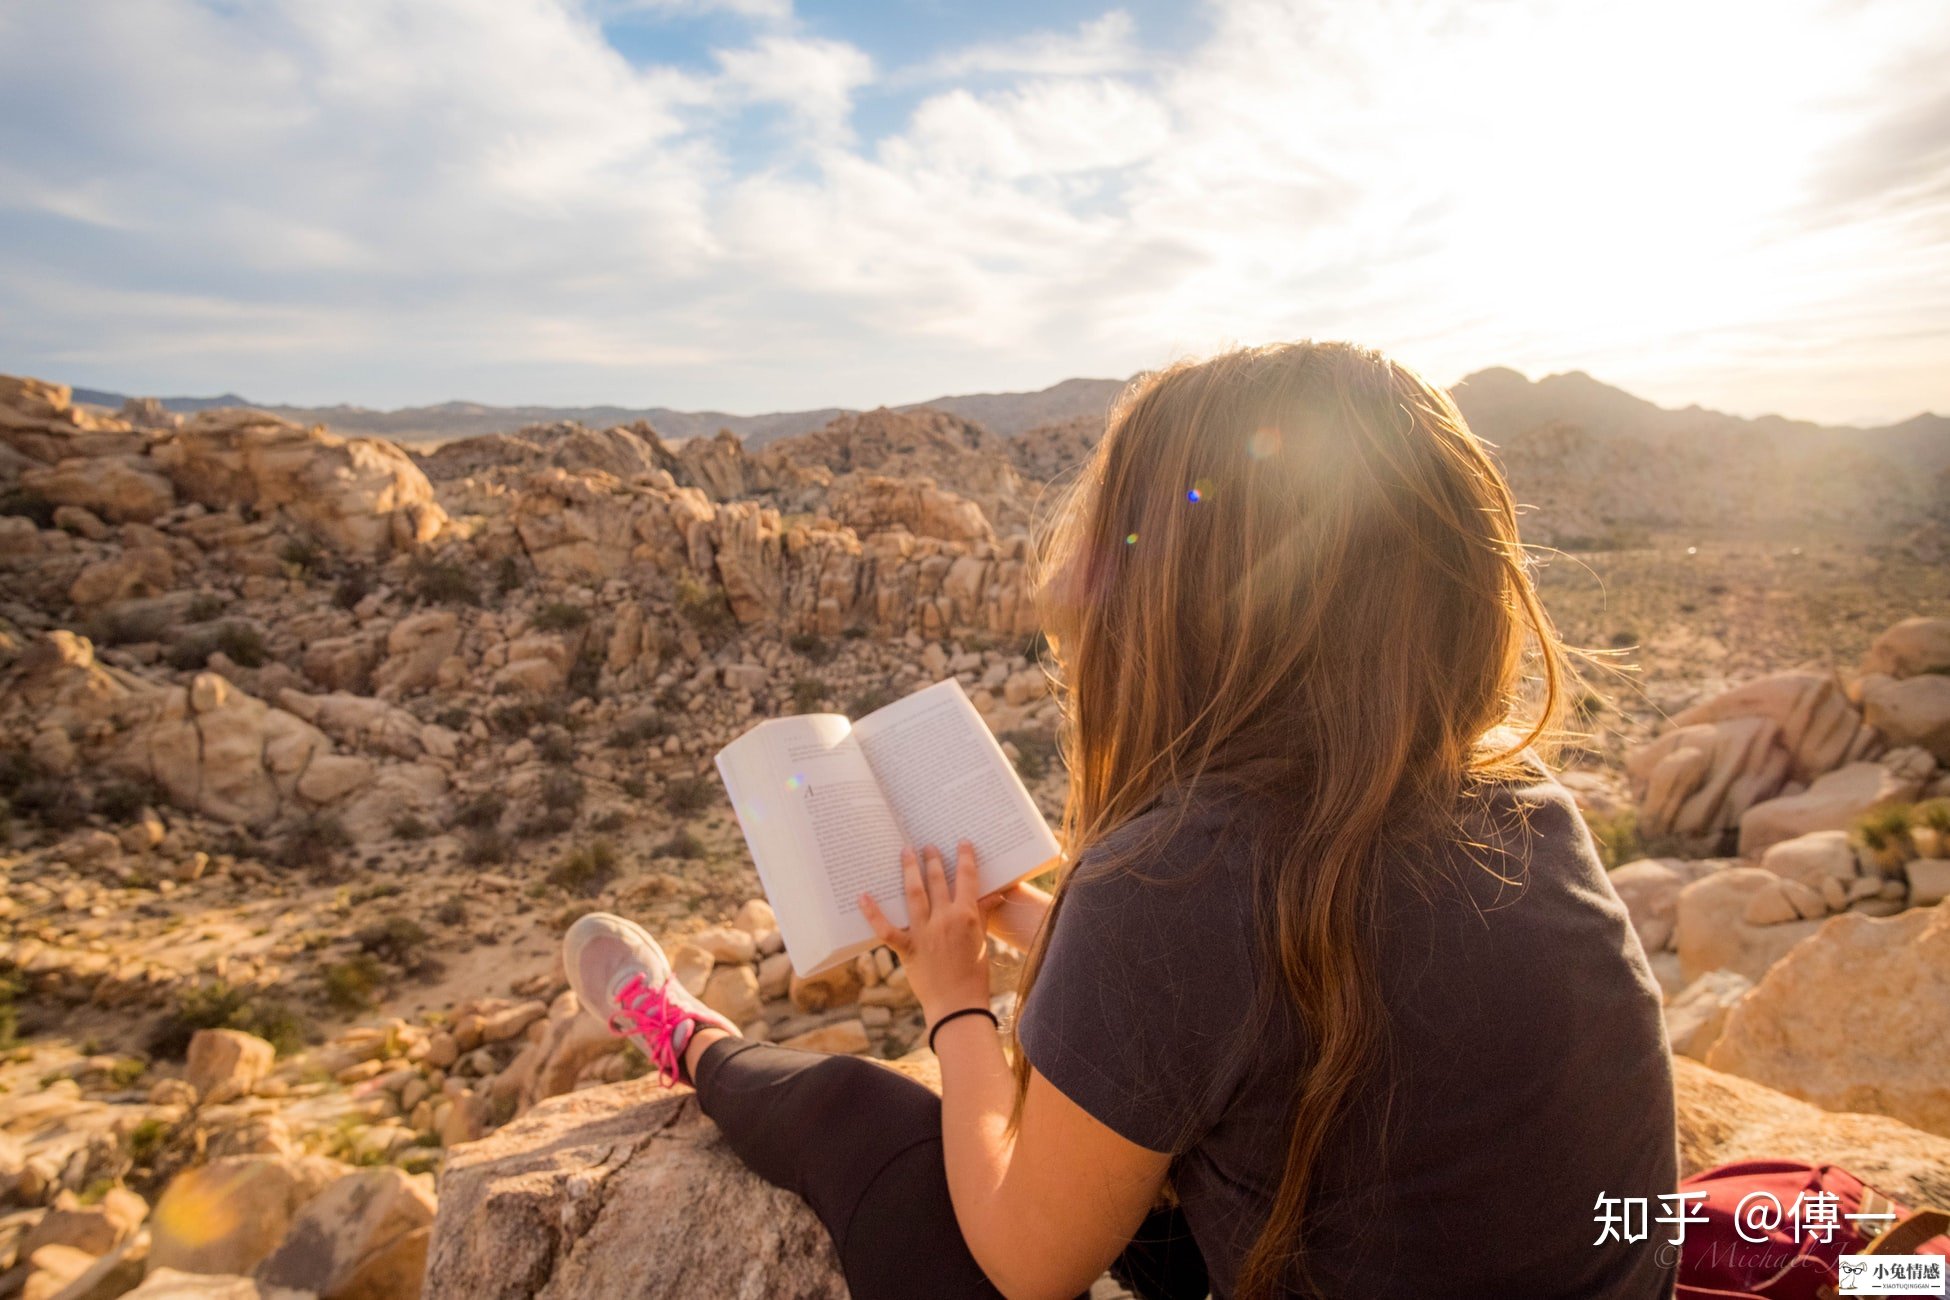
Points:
[(1004, 413)]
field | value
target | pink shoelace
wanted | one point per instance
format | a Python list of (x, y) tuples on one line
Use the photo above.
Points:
[(641, 1009)]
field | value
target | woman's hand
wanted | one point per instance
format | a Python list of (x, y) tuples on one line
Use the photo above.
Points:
[(945, 946)]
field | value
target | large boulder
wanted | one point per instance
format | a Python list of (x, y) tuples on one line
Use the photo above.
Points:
[(1712, 930), (1729, 753), (1650, 887), (1910, 710), (224, 1064), (362, 1238), (1911, 647), (1697, 1014), (362, 496), (124, 489), (228, 1215), (1857, 1018), (1723, 1118), (1836, 800)]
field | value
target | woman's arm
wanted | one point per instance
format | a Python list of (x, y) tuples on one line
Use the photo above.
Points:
[(1017, 914), (1044, 1212)]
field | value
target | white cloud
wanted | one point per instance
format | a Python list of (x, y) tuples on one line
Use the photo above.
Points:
[(411, 199)]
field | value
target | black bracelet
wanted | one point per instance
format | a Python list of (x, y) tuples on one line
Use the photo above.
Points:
[(956, 1015)]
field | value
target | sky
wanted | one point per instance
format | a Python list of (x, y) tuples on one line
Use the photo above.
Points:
[(754, 205)]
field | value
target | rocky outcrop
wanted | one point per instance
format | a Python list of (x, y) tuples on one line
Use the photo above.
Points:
[(1723, 756), (1836, 800), (1852, 1019), (361, 496)]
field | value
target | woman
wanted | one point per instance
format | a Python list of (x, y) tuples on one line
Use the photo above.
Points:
[(1333, 996)]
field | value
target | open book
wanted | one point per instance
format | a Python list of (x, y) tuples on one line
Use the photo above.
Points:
[(827, 805)]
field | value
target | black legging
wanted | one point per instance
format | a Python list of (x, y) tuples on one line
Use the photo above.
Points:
[(862, 1145)]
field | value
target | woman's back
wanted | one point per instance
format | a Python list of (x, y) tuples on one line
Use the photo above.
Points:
[(1525, 1071)]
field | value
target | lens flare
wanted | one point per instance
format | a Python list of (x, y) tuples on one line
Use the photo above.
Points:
[(795, 782), (1131, 540)]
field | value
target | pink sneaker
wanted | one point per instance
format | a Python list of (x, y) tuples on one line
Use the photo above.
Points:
[(618, 971)]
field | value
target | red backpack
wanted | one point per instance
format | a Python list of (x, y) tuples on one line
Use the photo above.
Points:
[(1792, 1261)]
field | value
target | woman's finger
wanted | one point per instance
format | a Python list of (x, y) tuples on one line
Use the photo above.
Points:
[(917, 892), (883, 928), (937, 875), (967, 878)]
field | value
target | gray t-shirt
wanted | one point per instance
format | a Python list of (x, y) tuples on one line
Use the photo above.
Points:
[(1529, 1071)]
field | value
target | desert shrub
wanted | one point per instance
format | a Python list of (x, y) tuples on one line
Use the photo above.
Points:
[(516, 718), (586, 870), (686, 795), (561, 616), (812, 646), (639, 730), (442, 582), (10, 988), (350, 984), (224, 1006), (585, 674), (31, 505), (808, 693), (397, 939), (1036, 752), (410, 827), (301, 553), (671, 697), (1616, 837), (1933, 813), (313, 841), (206, 605), (634, 786), (609, 823), (146, 1141), (703, 605), (561, 790), (682, 844), (507, 575), (547, 823), (6, 822), (874, 697), (453, 718), (16, 770), (482, 812), (58, 805), (452, 911), (122, 801), (485, 848), (556, 747), (854, 633), (354, 587), (242, 643), (1886, 831)]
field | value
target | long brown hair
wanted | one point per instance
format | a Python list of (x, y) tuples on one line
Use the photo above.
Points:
[(1292, 572)]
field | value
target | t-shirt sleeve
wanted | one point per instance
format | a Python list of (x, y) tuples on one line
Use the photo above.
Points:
[(1145, 991)]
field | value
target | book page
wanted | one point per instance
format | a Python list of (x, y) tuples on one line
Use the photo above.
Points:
[(820, 832), (948, 780)]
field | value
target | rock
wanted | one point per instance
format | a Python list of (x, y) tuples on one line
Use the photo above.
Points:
[(775, 976), (361, 496), (727, 944), (1710, 930), (122, 489), (226, 1216), (1722, 1118), (96, 1229), (51, 1269), (1813, 859), (692, 967), (848, 1037), (565, 1201), (1910, 710), (176, 1284), (113, 1274), (1912, 647), (1649, 889), (363, 1238), (511, 1022), (1857, 1018), (732, 992), (224, 1064), (755, 918), (1834, 802), (1722, 757), (1929, 881), (828, 989), (415, 649), (1695, 1018)]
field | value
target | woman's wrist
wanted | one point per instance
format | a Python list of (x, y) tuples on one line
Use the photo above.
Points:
[(948, 1022)]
